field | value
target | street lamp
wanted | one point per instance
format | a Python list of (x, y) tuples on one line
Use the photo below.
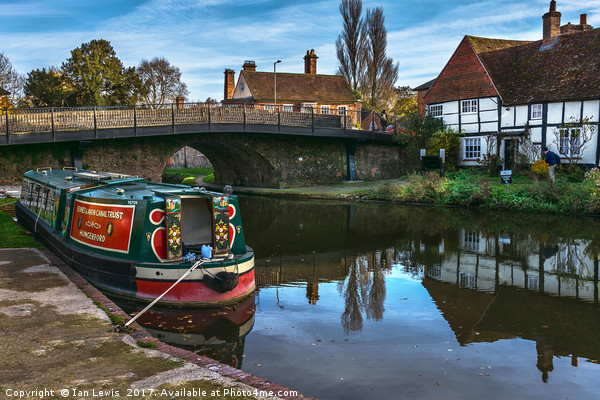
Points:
[(275, 83)]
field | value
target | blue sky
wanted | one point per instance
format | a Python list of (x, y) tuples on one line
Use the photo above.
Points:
[(203, 37)]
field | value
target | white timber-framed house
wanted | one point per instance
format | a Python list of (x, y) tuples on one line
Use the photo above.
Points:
[(496, 90)]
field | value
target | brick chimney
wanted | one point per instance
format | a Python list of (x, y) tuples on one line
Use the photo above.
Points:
[(249, 66), (551, 24), (583, 19), (310, 62), (229, 84)]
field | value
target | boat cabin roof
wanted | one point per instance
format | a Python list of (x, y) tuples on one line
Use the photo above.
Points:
[(111, 185)]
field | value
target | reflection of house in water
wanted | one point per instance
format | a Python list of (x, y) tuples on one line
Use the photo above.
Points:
[(486, 262), (496, 287), (361, 278)]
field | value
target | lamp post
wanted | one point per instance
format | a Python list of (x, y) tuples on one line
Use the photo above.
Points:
[(275, 83)]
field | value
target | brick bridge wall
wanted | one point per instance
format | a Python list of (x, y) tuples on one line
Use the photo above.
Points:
[(238, 159)]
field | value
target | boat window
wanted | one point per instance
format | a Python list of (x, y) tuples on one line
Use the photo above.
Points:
[(196, 221)]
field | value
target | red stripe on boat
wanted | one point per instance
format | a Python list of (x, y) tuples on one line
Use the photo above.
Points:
[(193, 292)]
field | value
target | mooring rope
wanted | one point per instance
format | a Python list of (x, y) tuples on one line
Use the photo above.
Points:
[(189, 271)]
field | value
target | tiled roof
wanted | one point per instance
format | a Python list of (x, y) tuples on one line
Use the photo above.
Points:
[(299, 87), (424, 86), (523, 74)]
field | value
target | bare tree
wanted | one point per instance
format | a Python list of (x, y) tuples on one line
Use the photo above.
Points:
[(377, 85), (572, 138), (161, 82), (350, 43), (10, 80)]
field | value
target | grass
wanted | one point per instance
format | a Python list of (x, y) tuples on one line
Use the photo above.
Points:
[(12, 234), (186, 176)]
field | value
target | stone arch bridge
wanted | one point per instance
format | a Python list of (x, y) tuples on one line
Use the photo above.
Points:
[(247, 147)]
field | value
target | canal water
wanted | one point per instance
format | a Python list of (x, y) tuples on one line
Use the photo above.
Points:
[(381, 301)]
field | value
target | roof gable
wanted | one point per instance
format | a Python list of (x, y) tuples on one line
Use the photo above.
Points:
[(463, 77), (298, 87)]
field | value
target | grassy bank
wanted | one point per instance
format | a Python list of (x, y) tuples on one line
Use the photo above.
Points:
[(469, 189), (12, 234)]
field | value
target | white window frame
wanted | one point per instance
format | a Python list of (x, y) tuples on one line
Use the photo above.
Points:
[(536, 111), (307, 107), (325, 109), (564, 136), (468, 106), (472, 148), (269, 107), (342, 110), (287, 107), (436, 110), (242, 86)]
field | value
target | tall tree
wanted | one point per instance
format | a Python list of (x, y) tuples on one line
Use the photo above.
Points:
[(350, 44), (377, 85), (406, 101), (99, 77), (161, 81), (47, 88), (11, 81)]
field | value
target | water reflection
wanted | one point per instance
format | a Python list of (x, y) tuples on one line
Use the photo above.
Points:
[(216, 333), (493, 276)]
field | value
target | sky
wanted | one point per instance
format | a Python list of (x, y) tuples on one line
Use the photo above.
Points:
[(204, 37)]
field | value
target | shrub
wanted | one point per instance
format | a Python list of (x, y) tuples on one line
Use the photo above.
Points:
[(540, 168), (190, 180)]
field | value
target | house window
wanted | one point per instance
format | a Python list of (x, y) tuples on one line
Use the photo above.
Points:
[(288, 107), (437, 110), (468, 106), (308, 107), (536, 111), (472, 148), (242, 86), (270, 107), (341, 110), (325, 110), (570, 142)]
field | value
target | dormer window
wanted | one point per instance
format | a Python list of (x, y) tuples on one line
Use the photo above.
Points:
[(536, 111), (468, 106)]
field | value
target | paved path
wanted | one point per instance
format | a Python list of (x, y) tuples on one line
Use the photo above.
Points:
[(56, 338)]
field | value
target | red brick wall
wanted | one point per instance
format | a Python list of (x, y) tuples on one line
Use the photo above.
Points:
[(462, 78)]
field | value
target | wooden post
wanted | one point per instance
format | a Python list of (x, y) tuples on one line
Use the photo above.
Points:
[(442, 162), (52, 117), (244, 117), (134, 121)]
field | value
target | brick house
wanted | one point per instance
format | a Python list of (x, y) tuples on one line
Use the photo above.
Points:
[(307, 92), (496, 90)]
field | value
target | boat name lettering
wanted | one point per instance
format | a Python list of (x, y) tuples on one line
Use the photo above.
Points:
[(92, 236), (100, 213)]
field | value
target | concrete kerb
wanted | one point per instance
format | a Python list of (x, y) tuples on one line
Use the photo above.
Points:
[(140, 334)]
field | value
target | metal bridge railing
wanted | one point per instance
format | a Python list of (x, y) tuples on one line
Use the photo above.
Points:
[(19, 121)]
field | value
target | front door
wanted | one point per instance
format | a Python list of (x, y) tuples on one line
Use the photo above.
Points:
[(508, 153)]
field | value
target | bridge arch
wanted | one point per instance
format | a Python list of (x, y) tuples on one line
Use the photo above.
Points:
[(237, 164)]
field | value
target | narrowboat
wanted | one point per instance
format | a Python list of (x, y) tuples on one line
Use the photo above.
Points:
[(135, 238)]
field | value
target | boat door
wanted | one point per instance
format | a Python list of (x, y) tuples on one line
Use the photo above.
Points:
[(173, 225), (221, 234)]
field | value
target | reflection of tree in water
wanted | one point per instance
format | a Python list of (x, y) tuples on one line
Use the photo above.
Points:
[(364, 290)]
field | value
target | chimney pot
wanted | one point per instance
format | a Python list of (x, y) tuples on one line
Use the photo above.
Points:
[(553, 6), (583, 19)]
